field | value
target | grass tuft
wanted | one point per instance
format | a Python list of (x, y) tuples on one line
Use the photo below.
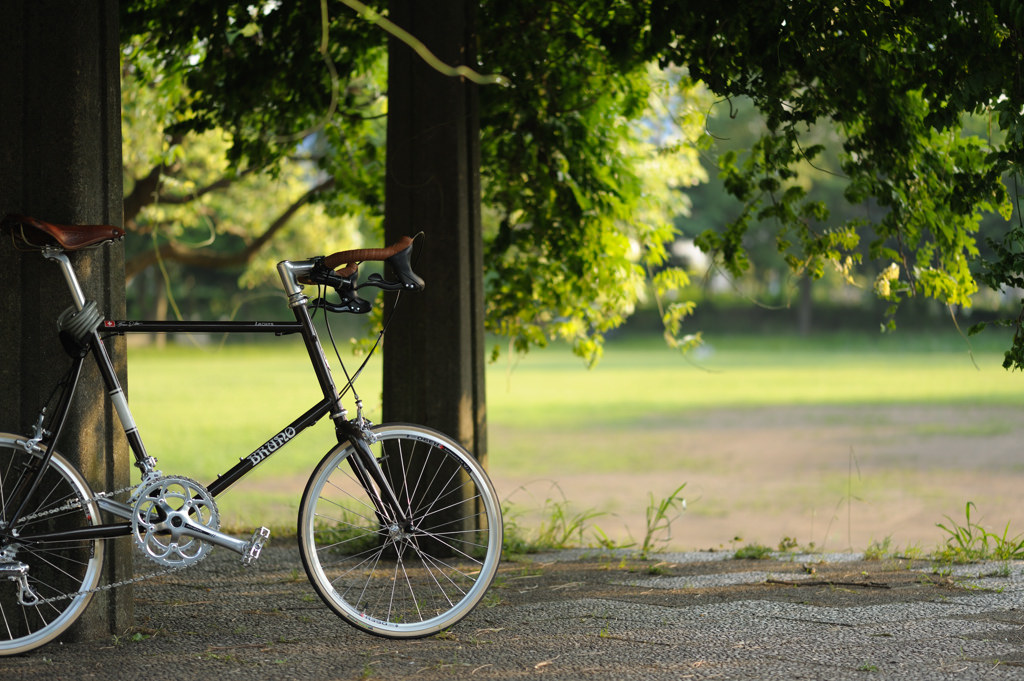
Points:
[(559, 527), (660, 514), (753, 552), (969, 542)]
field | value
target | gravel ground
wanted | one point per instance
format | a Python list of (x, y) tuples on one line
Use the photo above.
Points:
[(581, 615)]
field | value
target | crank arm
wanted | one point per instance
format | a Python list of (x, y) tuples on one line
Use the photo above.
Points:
[(188, 528), (193, 529), (249, 549)]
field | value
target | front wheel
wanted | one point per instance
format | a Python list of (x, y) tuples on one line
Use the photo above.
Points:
[(409, 573), (60, 575)]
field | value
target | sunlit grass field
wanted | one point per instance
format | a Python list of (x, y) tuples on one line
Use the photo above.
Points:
[(641, 379), (201, 409)]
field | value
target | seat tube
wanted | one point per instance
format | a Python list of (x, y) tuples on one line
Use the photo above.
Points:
[(115, 392)]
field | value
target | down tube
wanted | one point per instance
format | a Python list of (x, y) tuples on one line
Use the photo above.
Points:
[(269, 447)]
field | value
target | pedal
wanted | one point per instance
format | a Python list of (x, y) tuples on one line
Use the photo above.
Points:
[(255, 546)]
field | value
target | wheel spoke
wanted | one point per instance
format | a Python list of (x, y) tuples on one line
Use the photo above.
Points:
[(411, 575), (64, 571)]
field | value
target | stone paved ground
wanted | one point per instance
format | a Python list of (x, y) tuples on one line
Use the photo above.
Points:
[(581, 615)]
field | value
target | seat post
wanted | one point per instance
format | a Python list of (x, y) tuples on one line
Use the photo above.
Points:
[(61, 258)]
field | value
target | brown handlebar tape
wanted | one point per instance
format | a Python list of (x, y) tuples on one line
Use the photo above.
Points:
[(362, 254), (352, 258)]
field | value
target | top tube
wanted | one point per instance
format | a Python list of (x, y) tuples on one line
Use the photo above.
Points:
[(121, 326)]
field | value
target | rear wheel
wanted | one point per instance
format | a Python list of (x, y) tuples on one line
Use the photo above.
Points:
[(395, 577), (62, 501)]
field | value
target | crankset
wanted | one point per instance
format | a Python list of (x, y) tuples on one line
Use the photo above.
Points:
[(175, 523), (171, 518)]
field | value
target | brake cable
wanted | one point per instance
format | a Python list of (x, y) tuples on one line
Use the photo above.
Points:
[(351, 379)]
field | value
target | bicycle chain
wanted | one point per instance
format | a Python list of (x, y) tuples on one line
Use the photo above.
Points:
[(76, 504), (109, 587)]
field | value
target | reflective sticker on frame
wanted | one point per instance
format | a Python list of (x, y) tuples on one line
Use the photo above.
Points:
[(121, 405)]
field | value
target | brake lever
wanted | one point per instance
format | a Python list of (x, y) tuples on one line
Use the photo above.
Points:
[(355, 306), (349, 302), (380, 282), (346, 289)]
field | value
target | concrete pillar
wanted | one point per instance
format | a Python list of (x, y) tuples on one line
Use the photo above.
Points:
[(60, 160), (434, 348)]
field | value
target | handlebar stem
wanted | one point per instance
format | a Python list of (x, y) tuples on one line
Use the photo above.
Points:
[(290, 271)]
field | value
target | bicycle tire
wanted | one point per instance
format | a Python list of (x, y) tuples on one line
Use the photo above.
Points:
[(63, 500), (411, 582)]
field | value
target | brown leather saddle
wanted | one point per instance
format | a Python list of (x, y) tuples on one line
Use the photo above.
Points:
[(39, 233)]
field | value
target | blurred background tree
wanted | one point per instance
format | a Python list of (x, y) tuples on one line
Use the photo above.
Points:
[(207, 233), (583, 187)]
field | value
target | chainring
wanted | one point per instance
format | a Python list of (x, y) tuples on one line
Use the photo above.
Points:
[(165, 509)]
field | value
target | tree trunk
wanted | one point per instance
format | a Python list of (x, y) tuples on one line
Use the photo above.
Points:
[(434, 349)]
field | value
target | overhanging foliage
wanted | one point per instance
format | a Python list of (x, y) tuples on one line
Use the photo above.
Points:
[(563, 156)]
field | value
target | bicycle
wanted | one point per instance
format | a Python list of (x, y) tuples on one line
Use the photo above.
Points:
[(399, 527)]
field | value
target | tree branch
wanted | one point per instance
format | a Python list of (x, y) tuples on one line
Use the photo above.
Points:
[(147, 189), (146, 192), (175, 252), (222, 183), (143, 194)]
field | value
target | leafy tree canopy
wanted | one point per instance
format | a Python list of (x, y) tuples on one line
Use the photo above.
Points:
[(194, 207), (898, 78), (568, 145)]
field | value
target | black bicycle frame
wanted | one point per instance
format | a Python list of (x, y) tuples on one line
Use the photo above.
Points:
[(303, 325), (330, 404)]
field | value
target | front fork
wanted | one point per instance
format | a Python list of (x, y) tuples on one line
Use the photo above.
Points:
[(365, 466)]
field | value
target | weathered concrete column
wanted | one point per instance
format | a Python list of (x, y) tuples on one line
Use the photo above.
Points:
[(434, 350), (60, 160)]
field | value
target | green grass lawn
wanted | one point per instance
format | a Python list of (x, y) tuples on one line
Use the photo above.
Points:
[(641, 380), (200, 410)]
